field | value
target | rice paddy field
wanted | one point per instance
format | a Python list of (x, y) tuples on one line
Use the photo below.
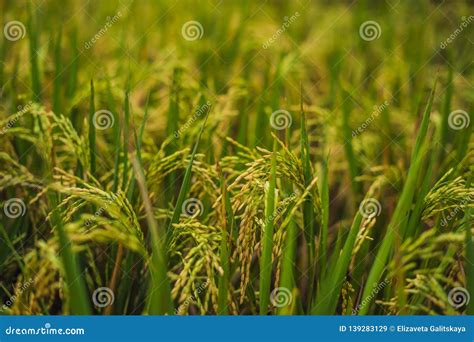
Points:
[(236, 157)]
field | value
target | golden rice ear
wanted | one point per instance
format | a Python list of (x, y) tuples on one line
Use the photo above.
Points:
[(114, 219)]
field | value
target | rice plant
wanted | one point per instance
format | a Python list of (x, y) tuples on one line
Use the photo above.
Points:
[(236, 158)]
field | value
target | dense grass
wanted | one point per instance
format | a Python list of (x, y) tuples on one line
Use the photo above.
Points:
[(297, 157)]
